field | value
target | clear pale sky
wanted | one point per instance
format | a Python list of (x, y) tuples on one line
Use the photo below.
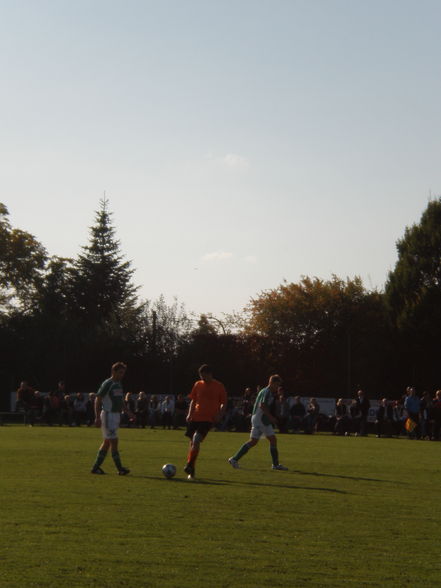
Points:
[(239, 142)]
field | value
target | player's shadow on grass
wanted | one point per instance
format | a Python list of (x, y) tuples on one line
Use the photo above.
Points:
[(212, 482), (182, 480), (288, 486), (355, 478)]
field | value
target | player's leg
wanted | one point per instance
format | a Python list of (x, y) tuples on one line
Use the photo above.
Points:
[(253, 440), (275, 453), (122, 471), (190, 432), (193, 452), (196, 431), (101, 456)]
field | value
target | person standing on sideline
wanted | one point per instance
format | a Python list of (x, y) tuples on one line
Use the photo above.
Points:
[(208, 400), (363, 405), (109, 403), (262, 422)]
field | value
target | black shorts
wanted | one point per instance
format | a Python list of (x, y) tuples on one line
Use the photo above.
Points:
[(202, 427)]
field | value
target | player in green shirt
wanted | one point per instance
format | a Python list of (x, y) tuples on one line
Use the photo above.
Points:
[(262, 421), (109, 403)]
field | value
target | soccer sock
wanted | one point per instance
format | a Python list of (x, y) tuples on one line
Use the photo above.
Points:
[(117, 459), (101, 456), (192, 455), (274, 455), (244, 449)]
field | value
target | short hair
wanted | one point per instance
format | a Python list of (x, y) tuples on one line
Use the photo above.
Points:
[(205, 369), (119, 365), (275, 379)]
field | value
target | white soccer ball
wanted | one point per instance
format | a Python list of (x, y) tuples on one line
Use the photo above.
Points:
[(169, 470)]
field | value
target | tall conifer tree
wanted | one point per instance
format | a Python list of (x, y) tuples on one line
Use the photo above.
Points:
[(103, 279)]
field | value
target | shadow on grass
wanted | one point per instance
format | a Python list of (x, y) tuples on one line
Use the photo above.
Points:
[(212, 482), (355, 478)]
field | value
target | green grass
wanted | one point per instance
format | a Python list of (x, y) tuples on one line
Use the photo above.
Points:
[(349, 512)]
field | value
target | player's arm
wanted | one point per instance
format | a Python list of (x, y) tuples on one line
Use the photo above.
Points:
[(222, 406), (190, 411), (98, 406), (220, 414)]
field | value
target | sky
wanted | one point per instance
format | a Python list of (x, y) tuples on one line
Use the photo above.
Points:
[(240, 143)]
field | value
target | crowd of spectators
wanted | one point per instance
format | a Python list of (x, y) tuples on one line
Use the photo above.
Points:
[(55, 408), (60, 408), (415, 416)]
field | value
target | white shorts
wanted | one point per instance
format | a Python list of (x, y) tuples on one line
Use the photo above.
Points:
[(110, 424), (258, 429)]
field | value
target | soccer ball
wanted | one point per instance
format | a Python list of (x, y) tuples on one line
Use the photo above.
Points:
[(169, 470)]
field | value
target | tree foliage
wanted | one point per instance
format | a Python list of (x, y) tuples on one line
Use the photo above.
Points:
[(323, 331), (303, 313), (413, 290), (413, 297), (324, 336), (102, 283), (22, 262), (164, 327)]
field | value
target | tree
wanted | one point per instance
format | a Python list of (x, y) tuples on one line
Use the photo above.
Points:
[(102, 283), (327, 335), (413, 290), (205, 326), (22, 263), (164, 327), (413, 296), (55, 296)]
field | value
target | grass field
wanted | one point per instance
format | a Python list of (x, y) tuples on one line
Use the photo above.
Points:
[(349, 512)]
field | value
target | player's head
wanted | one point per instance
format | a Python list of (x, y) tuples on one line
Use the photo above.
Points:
[(275, 381), (118, 370), (206, 373)]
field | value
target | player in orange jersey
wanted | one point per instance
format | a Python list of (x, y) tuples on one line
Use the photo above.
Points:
[(208, 400)]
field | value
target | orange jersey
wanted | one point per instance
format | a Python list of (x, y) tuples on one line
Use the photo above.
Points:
[(207, 400)]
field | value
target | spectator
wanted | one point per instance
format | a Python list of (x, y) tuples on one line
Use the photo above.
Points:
[(153, 411), (363, 409), (128, 415), (384, 418), (66, 410), (298, 412), (436, 416), (90, 409), (228, 418), (398, 418), (25, 397), (282, 410), (180, 412), (37, 407), (237, 418), (53, 406), (245, 410), (425, 415), (79, 409), (141, 410), (341, 426), (412, 405), (61, 390), (312, 414), (355, 414), (166, 409)]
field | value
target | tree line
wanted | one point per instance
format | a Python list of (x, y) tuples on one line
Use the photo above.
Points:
[(69, 319)]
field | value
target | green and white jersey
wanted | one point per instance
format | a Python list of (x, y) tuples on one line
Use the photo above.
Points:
[(266, 397), (112, 395)]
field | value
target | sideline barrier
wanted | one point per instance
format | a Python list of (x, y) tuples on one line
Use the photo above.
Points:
[(11, 417)]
